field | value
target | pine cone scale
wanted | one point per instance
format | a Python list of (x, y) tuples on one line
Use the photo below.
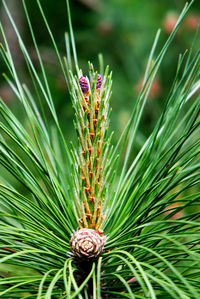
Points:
[(87, 243)]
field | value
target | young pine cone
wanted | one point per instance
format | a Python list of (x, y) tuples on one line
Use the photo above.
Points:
[(87, 243)]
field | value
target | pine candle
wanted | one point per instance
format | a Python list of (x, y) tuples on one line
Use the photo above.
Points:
[(91, 103)]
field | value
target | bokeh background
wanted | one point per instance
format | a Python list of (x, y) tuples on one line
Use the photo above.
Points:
[(123, 31)]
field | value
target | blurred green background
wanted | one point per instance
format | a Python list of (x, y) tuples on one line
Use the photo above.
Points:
[(123, 31)]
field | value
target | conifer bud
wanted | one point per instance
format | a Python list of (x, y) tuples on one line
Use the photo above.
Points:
[(84, 84), (90, 168), (87, 243), (99, 81)]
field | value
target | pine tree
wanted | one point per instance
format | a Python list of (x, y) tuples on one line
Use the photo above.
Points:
[(91, 220)]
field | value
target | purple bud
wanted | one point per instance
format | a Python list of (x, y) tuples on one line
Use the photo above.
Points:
[(99, 81), (83, 84)]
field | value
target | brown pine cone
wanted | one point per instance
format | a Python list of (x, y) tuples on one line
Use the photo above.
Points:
[(87, 243)]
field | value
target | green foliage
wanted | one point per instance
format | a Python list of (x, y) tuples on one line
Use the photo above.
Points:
[(149, 253)]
